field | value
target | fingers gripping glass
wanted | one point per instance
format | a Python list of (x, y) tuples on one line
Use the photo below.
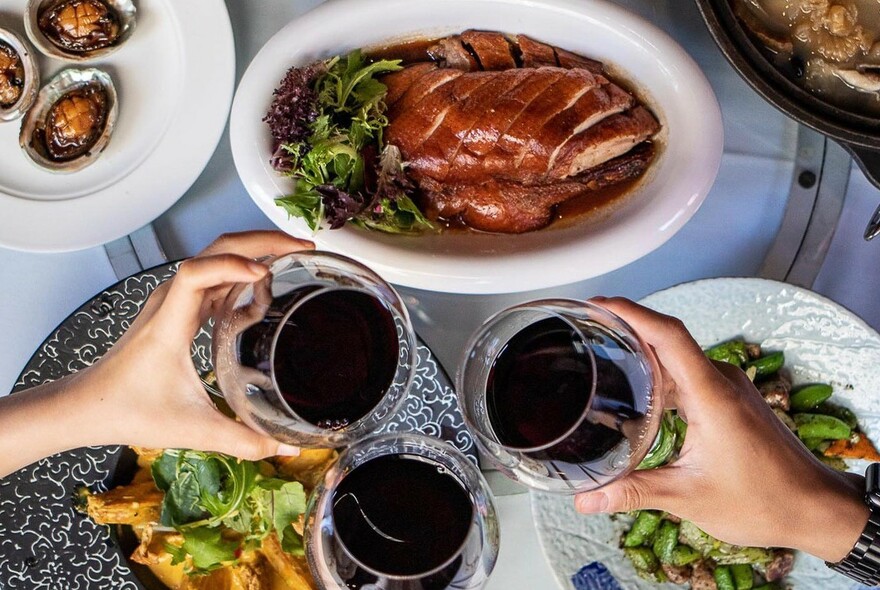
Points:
[(321, 352), (562, 395)]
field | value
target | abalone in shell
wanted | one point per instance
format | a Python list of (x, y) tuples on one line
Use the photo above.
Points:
[(12, 76), (80, 25), (73, 123)]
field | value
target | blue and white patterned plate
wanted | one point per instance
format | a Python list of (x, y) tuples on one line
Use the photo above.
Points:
[(45, 543)]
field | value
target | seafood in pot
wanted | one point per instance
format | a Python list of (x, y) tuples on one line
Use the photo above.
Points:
[(831, 47), (72, 121), (79, 29), (19, 77)]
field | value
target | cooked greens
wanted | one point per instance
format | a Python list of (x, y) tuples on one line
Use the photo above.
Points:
[(327, 121), (664, 549), (829, 430), (223, 506)]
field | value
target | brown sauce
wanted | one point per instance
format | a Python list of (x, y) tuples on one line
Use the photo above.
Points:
[(408, 52), (593, 205), (594, 202)]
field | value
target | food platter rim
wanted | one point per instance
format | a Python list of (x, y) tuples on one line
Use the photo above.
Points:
[(456, 271)]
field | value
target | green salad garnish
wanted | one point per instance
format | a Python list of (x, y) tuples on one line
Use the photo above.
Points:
[(223, 506), (327, 121)]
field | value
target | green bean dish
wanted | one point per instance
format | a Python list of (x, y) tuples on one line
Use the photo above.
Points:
[(664, 548)]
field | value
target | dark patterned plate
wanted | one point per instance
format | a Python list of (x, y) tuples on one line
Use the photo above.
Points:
[(44, 542)]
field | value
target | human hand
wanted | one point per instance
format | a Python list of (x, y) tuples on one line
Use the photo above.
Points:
[(741, 476), (146, 391)]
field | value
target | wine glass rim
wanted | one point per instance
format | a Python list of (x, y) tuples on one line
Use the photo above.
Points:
[(459, 460), (554, 307), (551, 307), (390, 300), (546, 306), (367, 418)]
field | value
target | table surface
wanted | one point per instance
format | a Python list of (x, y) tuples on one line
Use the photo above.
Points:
[(37, 291)]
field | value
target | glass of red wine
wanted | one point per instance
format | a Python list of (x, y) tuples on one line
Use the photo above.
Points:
[(321, 352), (401, 512), (562, 395)]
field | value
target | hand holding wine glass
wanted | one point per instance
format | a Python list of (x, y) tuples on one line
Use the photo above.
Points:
[(561, 395), (145, 391), (320, 352), (741, 476)]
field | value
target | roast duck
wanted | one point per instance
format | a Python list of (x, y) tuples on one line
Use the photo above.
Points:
[(498, 131)]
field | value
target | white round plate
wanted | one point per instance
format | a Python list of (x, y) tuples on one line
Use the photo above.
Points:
[(822, 341), (175, 77), (464, 262)]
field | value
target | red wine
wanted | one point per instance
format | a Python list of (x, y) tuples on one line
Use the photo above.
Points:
[(401, 515), (334, 356), (538, 393)]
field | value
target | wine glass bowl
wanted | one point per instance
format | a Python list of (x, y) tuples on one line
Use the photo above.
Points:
[(401, 511), (561, 395), (318, 353)]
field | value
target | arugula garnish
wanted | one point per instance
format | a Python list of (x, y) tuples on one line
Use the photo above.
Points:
[(206, 547), (222, 506), (333, 165)]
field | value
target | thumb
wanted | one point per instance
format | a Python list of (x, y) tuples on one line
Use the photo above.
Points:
[(238, 440), (650, 489)]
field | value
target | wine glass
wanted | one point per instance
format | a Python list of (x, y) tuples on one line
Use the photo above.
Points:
[(320, 352), (561, 395), (401, 512)]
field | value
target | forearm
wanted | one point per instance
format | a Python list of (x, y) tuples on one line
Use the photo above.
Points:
[(45, 420)]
